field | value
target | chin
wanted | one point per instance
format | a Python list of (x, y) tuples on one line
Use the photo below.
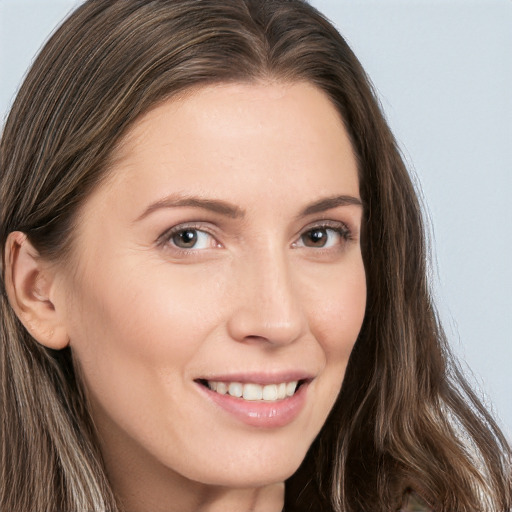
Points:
[(250, 470), (251, 478)]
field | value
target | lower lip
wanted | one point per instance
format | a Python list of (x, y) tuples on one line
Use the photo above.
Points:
[(260, 413)]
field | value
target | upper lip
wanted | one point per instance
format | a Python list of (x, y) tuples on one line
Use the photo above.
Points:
[(262, 378)]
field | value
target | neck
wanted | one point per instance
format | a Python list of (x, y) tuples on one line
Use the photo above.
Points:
[(190, 496)]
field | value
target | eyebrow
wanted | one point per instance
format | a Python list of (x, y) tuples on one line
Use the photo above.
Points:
[(330, 202), (233, 211), (213, 205)]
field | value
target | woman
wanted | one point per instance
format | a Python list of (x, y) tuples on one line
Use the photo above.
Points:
[(214, 292)]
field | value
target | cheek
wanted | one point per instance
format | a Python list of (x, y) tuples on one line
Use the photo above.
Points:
[(338, 311), (135, 332), (135, 339), (142, 312)]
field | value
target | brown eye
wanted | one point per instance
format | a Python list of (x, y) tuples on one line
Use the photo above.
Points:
[(185, 239), (324, 237), (317, 237)]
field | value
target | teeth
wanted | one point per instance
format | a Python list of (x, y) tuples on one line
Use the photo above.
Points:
[(235, 389), (270, 392), (255, 392), (220, 387), (290, 388), (252, 392)]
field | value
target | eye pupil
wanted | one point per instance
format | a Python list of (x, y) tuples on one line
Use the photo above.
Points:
[(315, 238), (185, 239)]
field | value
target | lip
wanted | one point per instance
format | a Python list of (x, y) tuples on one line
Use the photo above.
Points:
[(259, 414)]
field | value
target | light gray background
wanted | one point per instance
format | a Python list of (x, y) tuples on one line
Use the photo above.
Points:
[(443, 72)]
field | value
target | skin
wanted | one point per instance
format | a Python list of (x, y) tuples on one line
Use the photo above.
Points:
[(146, 318)]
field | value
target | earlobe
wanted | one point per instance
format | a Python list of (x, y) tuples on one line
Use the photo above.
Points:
[(29, 281)]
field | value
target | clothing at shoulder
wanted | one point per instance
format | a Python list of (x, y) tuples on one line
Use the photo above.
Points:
[(413, 503)]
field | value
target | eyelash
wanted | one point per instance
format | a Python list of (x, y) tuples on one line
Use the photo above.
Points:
[(166, 238), (339, 228)]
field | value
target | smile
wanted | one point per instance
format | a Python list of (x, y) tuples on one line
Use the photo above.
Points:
[(255, 392), (271, 404)]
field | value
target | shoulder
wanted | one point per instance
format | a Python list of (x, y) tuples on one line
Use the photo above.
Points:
[(413, 503)]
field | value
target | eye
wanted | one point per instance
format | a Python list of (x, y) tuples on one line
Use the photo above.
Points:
[(188, 238), (324, 237)]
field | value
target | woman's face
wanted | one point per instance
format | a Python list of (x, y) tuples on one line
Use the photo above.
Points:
[(223, 252)]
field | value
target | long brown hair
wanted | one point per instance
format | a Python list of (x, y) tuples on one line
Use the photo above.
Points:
[(405, 417)]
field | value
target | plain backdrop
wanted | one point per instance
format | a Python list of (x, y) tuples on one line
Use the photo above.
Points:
[(443, 72)]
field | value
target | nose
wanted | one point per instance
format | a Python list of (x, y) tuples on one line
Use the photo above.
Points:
[(267, 303)]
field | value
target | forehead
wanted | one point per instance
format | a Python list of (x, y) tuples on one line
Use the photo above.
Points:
[(235, 141), (219, 106)]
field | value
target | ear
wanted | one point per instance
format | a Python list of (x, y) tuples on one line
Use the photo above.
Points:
[(29, 282)]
